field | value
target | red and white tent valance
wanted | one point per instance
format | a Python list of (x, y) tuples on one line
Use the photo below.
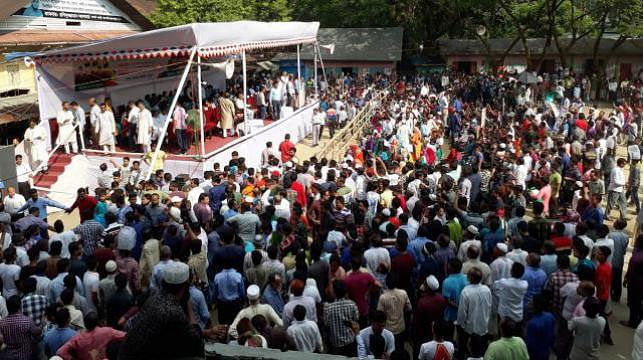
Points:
[(210, 40)]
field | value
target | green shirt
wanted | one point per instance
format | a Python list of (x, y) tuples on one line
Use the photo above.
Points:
[(555, 180), (512, 348)]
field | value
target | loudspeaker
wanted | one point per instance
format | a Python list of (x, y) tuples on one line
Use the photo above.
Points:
[(8, 166)]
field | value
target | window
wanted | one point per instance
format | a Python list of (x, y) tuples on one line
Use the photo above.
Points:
[(13, 72)]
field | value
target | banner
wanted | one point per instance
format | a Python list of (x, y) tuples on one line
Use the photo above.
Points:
[(96, 74), (92, 10)]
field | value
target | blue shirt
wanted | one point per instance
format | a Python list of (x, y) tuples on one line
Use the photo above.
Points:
[(199, 306), (451, 290), (228, 286), (535, 278), (415, 248), (217, 194), (41, 204), (55, 338), (540, 335), (548, 263), (273, 298), (57, 286)]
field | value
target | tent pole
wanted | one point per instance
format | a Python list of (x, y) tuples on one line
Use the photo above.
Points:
[(315, 69), (321, 62), (298, 82), (170, 112), (245, 82), (198, 59)]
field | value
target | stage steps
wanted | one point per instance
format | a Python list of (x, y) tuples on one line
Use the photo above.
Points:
[(57, 164)]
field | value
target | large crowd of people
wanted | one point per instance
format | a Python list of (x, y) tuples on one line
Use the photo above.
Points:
[(468, 222)]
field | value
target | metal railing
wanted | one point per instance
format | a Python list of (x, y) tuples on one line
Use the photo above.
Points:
[(336, 147)]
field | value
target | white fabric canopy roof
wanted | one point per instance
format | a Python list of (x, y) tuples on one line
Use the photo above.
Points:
[(211, 39)]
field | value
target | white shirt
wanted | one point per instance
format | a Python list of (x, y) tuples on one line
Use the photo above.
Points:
[(22, 172), (375, 256), (91, 281), (637, 348), (65, 237), (363, 342), (617, 179), (474, 309), (518, 255), (193, 195), (501, 268), (510, 293), (464, 247), (305, 334), (12, 204), (427, 350), (9, 274), (94, 113)]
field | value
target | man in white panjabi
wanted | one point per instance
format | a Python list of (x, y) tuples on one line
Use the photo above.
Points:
[(66, 133), (106, 129), (145, 124), (94, 114), (36, 146)]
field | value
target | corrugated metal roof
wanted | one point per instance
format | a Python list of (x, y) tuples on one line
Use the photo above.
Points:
[(47, 37), (583, 46), (356, 44)]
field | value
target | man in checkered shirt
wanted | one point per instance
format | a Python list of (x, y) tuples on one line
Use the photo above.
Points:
[(337, 316), (33, 305)]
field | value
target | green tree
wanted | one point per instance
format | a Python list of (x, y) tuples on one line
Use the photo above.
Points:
[(345, 13), (178, 12), (270, 10)]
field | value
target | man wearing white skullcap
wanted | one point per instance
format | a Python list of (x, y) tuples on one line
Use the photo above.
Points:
[(429, 309), (501, 266), (163, 329), (126, 240), (254, 308)]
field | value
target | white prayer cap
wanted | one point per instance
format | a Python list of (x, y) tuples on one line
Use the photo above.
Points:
[(386, 212), (502, 247), (175, 214), (253, 292), (110, 266), (126, 238), (432, 282), (176, 273), (472, 229), (176, 199)]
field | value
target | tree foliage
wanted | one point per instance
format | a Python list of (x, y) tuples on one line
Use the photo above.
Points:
[(562, 23)]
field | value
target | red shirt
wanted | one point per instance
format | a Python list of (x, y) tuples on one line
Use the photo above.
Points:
[(90, 345), (562, 242), (285, 148), (582, 123), (603, 281), (301, 192), (357, 285), (430, 308), (403, 265), (87, 202)]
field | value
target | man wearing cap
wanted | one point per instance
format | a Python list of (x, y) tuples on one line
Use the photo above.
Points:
[(126, 240), (253, 309), (468, 239), (164, 327), (107, 285), (501, 266), (429, 309)]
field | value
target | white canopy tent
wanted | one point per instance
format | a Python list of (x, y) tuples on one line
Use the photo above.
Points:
[(57, 72)]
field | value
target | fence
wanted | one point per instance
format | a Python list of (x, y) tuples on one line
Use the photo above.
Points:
[(336, 148)]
